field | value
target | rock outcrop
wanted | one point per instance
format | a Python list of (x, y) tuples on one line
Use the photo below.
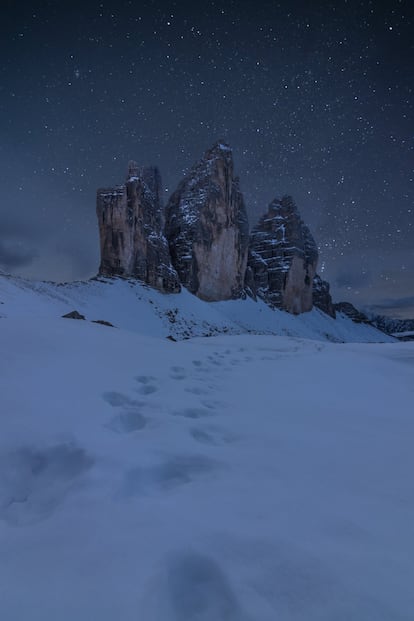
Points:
[(282, 258), (348, 309), (73, 315), (392, 326), (321, 296), (207, 228), (131, 223)]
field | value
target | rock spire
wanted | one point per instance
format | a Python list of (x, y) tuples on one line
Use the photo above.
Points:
[(282, 258), (207, 228), (131, 224)]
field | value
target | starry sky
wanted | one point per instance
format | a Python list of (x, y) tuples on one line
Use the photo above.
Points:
[(316, 99)]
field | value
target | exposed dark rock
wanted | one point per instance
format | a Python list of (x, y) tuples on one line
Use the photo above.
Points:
[(131, 222), (103, 322), (348, 309), (404, 336), (392, 326), (321, 296), (207, 228), (283, 258), (73, 315)]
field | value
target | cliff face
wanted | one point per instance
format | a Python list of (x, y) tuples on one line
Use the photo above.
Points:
[(282, 258), (131, 223), (207, 228), (322, 297)]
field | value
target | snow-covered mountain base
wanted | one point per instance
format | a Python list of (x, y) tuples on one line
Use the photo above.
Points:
[(132, 306), (242, 477)]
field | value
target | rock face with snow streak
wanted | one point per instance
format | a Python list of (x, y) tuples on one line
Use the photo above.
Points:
[(321, 296), (207, 228), (283, 258), (131, 222)]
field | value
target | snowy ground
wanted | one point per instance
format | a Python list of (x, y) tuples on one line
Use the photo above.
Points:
[(232, 478)]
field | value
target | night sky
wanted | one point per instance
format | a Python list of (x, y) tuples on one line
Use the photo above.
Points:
[(316, 99)]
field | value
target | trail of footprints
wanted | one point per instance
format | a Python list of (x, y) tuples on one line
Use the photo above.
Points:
[(34, 482), (202, 379), (130, 412), (132, 415)]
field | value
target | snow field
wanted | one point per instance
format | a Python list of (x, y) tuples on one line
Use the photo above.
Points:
[(237, 478)]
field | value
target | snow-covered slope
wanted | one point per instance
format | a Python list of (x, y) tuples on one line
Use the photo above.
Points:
[(133, 306), (234, 478)]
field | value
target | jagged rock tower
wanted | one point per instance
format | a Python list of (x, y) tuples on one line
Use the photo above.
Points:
[(282, 258), (207, 228), (131, 224)]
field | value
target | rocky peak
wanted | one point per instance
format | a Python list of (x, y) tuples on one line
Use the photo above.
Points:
[(133, 170), (131, 222), (150, 179), (207, 228), (283, 258)]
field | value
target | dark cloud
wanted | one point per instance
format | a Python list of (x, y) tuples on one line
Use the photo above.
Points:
[(12, 256), (399, 307)]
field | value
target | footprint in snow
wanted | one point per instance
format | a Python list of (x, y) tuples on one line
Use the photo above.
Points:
[(191, 586), (211, 404), (198, 589), (35, 481), (193, 412), (211, 436), (175, 471), (127, 422), (130, 418), (117, 399), (178, 373), (196, 390), (147, 384), (214, 360)]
